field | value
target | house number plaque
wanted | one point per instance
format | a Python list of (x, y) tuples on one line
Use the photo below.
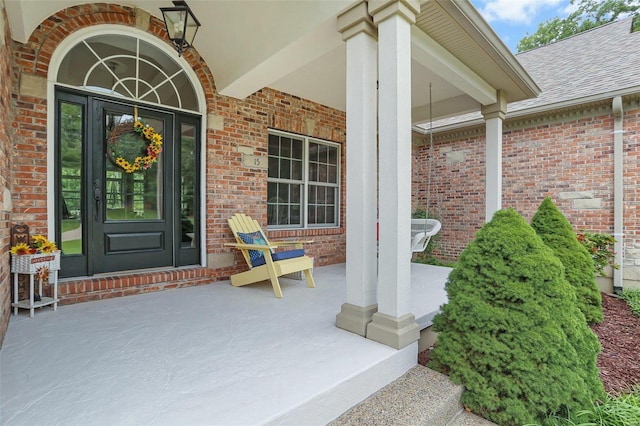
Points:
[(255, 161)]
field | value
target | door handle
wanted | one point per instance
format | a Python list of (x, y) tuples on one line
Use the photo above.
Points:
[(97, 197)]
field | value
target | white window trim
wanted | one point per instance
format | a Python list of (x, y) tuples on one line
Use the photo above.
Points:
[(305, 181)]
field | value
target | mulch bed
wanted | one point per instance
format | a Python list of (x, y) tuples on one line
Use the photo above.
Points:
[(619, 335)]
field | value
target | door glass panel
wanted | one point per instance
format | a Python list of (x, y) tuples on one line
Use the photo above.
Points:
[(187, 184), (71, 148), (133, 172)]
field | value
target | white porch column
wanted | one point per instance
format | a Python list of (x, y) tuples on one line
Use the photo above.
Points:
[(359, 33), (394, 324), (494, 115)]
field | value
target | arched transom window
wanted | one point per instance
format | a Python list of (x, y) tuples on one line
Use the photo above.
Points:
[(129, 67)]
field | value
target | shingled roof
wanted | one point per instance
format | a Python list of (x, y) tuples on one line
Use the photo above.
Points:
[(594, 65)]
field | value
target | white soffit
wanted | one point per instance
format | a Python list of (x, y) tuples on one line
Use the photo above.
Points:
[(434, 57)]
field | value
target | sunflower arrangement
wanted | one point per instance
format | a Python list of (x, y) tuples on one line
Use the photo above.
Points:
[(39, 244), (153, 142)]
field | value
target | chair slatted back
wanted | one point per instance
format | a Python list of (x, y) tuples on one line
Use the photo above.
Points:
[(240, 222)]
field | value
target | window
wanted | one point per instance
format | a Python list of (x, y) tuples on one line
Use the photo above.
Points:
[(126, 66), (303, 183)]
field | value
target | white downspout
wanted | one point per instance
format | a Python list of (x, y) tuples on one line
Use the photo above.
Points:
[(618, 192)]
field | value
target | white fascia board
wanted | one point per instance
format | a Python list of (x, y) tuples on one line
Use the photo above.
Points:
[(292, 57), (428, 53)]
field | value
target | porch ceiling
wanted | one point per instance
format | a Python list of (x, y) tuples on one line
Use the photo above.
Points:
[(295, 47)]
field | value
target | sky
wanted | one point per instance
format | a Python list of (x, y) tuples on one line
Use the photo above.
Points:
[(514, 19)]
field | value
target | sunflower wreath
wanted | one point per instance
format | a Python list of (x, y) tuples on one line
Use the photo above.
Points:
[(152, 140)]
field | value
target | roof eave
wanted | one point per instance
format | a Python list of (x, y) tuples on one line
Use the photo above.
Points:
[(538, 110), (468, 15)]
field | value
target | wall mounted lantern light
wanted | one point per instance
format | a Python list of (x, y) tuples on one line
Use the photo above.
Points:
[(181, 24)]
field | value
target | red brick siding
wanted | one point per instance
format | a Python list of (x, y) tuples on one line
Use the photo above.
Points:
[(632, 183), (5, 173), (230, 186), (538, 162), (241, 189), (457, 191)]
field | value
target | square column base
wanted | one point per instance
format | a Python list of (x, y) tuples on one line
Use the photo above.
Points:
[(355, 318), (396, 332)]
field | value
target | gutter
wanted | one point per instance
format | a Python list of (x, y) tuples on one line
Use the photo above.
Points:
[(618, 192)]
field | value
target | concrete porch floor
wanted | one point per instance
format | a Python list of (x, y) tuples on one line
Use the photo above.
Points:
[(207, 355)]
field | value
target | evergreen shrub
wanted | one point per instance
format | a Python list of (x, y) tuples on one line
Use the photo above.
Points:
[(511, 332), (557, 233)]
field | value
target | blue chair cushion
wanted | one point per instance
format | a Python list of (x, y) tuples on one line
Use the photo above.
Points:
[(280, 255), (254, 238)]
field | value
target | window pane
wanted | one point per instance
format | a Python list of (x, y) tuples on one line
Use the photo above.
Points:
[(296, 151), (71, 147), (321, 197), (285, 147), (273, 168), (313, 198), (272, 190), (295, 218), (313, 172), (333, 155), (332, 175), (331, 196), (296, 195), (322, 173), (296, 170), (188, 185), (312, 214), (285, 169), (313, 152), (274, 145)]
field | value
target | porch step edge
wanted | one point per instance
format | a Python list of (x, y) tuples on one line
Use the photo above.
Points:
[(420, 397), (327, 405), (464, 418)]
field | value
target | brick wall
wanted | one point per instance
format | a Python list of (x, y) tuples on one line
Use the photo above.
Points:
[(457, 189), (235, 127), (632, 193), (568, 158), (5, 173)]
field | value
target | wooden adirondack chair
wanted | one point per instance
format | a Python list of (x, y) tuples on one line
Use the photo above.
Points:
[(263, 261)]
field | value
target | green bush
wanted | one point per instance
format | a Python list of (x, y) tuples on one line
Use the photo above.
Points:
[(632, 297), (511, 332), (600, 247), (557, 233)]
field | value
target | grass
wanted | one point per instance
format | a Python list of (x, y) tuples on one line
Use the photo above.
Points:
[(72, 246), (70, 224), (621, 410), (632, 297)]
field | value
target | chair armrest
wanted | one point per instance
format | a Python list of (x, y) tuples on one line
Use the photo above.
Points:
[(292, 243), (252, 246)]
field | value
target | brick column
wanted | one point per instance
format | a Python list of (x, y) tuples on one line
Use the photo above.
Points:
[(359, 33), (393, 324)]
